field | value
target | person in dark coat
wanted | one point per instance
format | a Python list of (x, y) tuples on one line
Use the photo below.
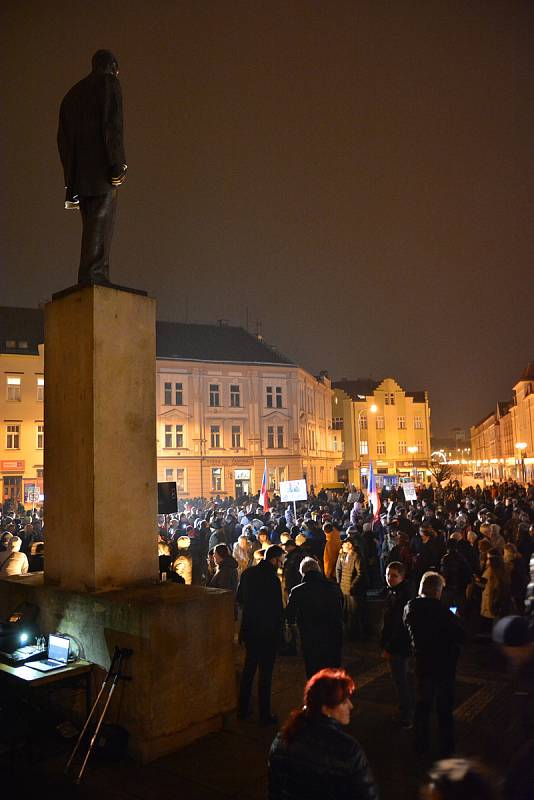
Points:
[(432, 551), (316, 606), (436, 636), (260, 596), (292, 562), (91, 148), (225, 576), (312, 758), (395, 639)]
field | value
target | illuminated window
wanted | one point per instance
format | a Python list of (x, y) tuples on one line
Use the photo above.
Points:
[(40, 437), (363, 421), (40, 390), (13, 437), (389, 398), (216, 479), (379, 422), (418, 423), (402, 448), (381, 448), (364, 447), (13, 388), (180, 480), (401, 423)]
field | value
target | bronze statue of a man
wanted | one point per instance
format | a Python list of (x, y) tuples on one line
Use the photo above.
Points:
[(91, 148)]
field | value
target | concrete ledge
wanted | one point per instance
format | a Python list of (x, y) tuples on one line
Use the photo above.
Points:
[(182, 668)]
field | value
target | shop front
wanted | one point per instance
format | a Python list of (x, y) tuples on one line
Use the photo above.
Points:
[(12, 483), (242, 482)]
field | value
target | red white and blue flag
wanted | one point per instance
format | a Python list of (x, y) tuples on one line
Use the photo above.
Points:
[(373, 497), (264, 495)]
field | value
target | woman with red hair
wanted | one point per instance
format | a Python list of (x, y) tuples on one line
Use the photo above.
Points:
[(312, 758)]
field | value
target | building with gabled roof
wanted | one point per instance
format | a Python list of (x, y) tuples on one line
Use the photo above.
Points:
[(379, 421), (227, 403)]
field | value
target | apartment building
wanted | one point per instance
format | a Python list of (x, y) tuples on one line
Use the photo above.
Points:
[(226, 403)]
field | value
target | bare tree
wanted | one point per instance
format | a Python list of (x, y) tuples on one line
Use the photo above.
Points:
[(440, 471)]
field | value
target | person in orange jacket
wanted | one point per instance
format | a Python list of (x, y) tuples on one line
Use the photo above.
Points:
[(331, 550)]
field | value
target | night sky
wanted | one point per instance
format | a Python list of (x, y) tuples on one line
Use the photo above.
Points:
[(358, 175)]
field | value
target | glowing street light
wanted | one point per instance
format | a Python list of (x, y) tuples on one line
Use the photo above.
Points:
[(413, 450), (373, 408)]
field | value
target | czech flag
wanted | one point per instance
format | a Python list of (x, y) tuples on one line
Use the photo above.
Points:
[(372, 495), (264, 495)]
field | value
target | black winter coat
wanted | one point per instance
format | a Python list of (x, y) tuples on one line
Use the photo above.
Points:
[(321, 763), (436, 635), (260, 595), (395, 638), (316, 605)]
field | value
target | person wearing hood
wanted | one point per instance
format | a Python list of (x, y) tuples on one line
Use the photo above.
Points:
[(316, 606), (225, 576), (331, 550), (13, 562)]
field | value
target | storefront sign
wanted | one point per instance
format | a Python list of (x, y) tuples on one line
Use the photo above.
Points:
[(292, 491), (12, 466), (242, 474)]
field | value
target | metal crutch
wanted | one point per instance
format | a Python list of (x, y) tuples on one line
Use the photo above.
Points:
[(114, 672), (93, 709)]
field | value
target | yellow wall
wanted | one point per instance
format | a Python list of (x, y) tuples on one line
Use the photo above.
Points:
[(403, 410), (305, 418), (27, 413)]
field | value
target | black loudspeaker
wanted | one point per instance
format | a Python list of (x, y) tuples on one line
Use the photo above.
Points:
[(167, 498)]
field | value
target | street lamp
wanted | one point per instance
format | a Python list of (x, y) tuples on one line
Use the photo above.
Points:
[(413, 450), (522, 446), (373, 408)]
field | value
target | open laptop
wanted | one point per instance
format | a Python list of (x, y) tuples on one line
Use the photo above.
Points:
[(58, 654)]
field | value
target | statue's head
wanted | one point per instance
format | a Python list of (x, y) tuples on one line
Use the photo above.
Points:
[(105, 62)]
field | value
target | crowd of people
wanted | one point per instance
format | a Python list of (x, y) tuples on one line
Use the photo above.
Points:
[(445, 567), (452, 564)]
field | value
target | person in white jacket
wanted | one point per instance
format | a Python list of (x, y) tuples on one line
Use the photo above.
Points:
[(13, 562)]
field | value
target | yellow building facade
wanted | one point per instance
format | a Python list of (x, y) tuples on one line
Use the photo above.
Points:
[(227, 403), (502, 443), (22, 415), (379, 421)]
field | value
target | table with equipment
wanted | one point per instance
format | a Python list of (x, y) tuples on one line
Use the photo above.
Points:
[(23, 679)]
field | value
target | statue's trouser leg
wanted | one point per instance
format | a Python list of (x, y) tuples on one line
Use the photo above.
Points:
[(98, 218)]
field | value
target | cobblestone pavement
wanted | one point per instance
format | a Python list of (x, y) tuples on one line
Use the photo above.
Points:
[(232, 763)]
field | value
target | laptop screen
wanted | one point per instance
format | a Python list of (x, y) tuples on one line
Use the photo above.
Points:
[(58, 648)]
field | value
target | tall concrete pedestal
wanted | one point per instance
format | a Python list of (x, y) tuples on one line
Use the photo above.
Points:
[(100, 439), (101, 569)]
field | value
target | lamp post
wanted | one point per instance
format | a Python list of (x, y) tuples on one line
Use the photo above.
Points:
[(373, 408), (521, 446), (413, 450)]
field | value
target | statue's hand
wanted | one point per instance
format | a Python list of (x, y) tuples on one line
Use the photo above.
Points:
[(118, 175)]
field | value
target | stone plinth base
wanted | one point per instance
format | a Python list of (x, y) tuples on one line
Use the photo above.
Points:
[(182, 668), (100, 442)]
